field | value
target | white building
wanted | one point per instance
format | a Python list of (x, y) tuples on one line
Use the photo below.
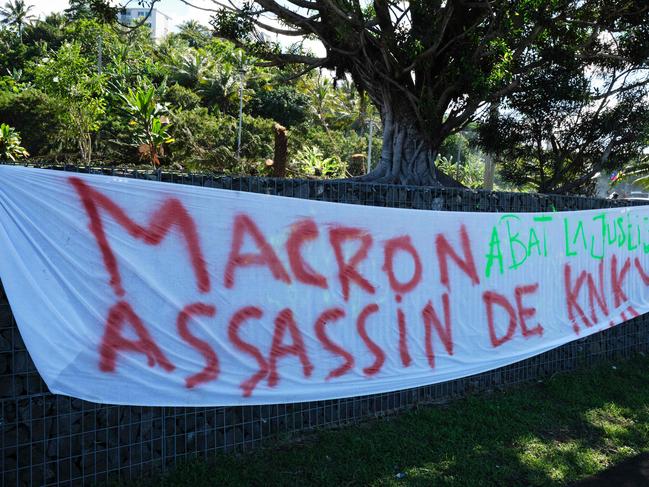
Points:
[(159, 23)]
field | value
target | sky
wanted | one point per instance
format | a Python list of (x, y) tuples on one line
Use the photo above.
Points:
[(178, 11)]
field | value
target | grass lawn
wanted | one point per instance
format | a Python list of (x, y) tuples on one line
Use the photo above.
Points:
[(549, 433)]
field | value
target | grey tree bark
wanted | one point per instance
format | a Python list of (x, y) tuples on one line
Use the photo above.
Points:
[(408, 156)]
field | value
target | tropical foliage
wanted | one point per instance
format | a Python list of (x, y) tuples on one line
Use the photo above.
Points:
[(554, 92), (16, 15), (82, 90), (10, 147)]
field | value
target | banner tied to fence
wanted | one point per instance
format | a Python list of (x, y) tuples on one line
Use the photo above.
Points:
[(144, 293)]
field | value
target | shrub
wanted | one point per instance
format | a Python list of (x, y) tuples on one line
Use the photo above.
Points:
[(180, 97), (208, 141), (203, 141), (311, 162), (35, 115), (343, 145), (10, 147)]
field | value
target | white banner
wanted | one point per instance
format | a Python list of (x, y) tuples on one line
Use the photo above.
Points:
[(144, 293)]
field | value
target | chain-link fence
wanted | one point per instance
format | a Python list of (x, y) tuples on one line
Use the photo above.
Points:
[(56, 440)]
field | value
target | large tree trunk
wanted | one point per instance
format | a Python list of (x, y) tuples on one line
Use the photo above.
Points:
[(407, 157)]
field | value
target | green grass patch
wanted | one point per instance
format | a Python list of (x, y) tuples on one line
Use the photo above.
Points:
[(548, 433)]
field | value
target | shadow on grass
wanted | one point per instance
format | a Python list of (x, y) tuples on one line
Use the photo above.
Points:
[(633, 472), (549, 433)]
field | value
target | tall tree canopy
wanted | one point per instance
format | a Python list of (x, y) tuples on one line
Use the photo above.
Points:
[(432, 66), (562, 130)]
